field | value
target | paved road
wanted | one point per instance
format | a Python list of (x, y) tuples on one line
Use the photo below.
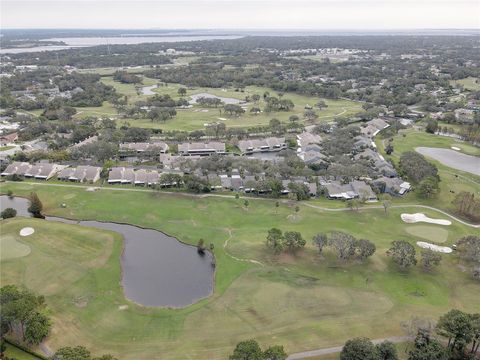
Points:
[(477, 226), (337, 349)]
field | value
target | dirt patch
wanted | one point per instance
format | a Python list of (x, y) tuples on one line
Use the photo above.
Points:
[(81, 301)]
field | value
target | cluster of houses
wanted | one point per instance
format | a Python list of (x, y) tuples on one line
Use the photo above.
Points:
[(40, 171), (46, 171), (309, 150)]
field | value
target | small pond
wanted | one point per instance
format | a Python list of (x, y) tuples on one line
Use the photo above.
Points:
[(157, 269), (453, 159), (226, 100)]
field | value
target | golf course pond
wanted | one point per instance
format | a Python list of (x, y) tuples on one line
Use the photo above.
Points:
[(157, 269), (453, 159)]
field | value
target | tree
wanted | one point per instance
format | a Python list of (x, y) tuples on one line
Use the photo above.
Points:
[(182, 91), (38, 327), (416, 167), (277, 205), (389, 149), (321, 104), (201, 246), (344, 244), (105, 357), (275, 125), (359, 349), (403, 254), (432, 350), (255, 98), (353, 204), (8, 213), (365, 248), (466, 204), (387, 351), (233, 109), (20, 308), (468, 248), (321, 240), (429, 259), (310, 114), (247, 350), (293, 118), (456, 326), (432, 126), (475, 321), (275, 352), (428, 187), (36, 205), (294, 241), (72, 353), (275, 240), (246, 203)]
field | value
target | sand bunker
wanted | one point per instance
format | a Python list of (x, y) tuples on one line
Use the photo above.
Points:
[(91, 188), (419, 217), (455, 148), (442, 249), (26, 231)]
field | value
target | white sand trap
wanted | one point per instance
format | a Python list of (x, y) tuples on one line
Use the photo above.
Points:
[(455, 148), (223, 119), (442, 249), (123, 307), (91, 188), (26, 231), (419, 217)]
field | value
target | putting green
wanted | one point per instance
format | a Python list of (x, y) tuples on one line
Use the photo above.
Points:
[(431, 233), (11, 248)]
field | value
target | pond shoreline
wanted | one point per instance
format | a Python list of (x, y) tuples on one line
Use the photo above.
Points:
[(74, 221)]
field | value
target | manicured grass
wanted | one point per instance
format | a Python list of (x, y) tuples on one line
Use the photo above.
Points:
[(106, 109), (303, 301), (469, 83), (11, 247), (197, 117), (433, 233), (5, 148), (452, 181)]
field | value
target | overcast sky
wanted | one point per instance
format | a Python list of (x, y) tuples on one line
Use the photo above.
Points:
[(241, 14)]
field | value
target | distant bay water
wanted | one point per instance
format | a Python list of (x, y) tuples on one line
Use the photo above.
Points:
[(78, 42)]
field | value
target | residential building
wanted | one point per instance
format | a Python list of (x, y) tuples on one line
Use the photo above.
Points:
[(121, 175), (87, 173), (40, 171), (248, 147), (141, 147), (201, 149), (8, 139), (351, 190), (393, 186)]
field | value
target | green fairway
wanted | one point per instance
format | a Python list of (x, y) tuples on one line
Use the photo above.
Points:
[(435, 234), (196, 117), (452, 181), (469, 83), (303, 302)]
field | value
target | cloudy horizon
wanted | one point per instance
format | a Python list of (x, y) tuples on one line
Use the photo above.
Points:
[(241, 14)]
